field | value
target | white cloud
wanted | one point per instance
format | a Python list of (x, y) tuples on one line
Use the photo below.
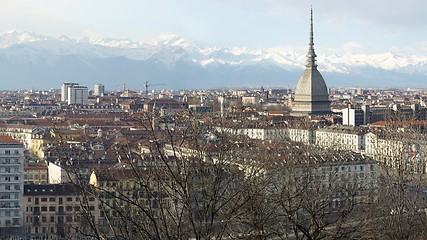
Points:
[(350, 47)]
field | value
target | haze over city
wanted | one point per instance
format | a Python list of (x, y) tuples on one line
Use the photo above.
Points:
[(210, 44), (343, 26)]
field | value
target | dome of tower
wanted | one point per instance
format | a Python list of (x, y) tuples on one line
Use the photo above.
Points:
[(311, 83), (311, 92)]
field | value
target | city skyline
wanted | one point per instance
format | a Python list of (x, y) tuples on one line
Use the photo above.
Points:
[(340, 28)]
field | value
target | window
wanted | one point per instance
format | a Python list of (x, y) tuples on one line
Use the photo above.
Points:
[(16, 178), (69, 199), (52, 199), (29, 199), (44, 199), (44, 209), (60, 200), (17, 187), (16, 152), (69, 208), (52, 219), (7, 152), (52, 209), (44, 219)]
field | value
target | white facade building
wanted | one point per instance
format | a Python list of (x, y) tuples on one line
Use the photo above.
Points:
[(78, 95), (64, 90), (98, 89), (250, 100), (341, 138), (11, 182)]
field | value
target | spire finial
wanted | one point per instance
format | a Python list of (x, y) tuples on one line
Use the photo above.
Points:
[(311, 55)]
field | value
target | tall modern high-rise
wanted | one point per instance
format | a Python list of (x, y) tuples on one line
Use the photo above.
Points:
[(78, 95), (98, 89), (311, 93), (64, 90), (11, 184)]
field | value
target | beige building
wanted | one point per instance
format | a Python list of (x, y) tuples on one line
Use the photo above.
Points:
[(55, 211), (250, 100), (35, 173)]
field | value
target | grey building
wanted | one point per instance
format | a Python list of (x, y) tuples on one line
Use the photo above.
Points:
[(11, 186), (311, 93)]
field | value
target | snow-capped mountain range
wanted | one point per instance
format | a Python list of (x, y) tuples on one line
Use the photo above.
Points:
[(30, 60)]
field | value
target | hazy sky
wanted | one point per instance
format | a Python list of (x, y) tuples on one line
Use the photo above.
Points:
[(357, 26)]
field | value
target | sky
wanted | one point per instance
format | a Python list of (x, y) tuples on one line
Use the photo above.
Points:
[(340, 26)]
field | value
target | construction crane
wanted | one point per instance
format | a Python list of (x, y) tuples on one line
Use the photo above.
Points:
[(146, 85)]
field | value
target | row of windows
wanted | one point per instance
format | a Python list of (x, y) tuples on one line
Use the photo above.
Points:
[(60, 199), (9, 213), (9, 161), (10, 196), (60, 219), (8, 179), (68, 208), (8, 152), (35, 176), (9, 170), (9, 205), (10, 187)]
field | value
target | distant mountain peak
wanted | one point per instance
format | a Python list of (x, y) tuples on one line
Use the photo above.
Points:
[(14, 37), (174, 57)]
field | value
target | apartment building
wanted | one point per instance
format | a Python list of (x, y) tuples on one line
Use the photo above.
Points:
[(11, 184), (78, 95), (341, 138), (35, 173), (56, 211), (64, 90), (98, 90)]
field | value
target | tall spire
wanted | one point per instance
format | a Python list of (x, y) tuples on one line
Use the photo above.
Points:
[(311, 55)]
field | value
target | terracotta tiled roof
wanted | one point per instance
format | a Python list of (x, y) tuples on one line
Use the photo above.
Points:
[(8, 140)]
